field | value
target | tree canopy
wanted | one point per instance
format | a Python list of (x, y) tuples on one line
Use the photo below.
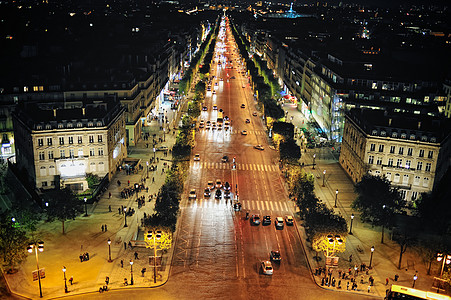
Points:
[(13, 242), (63, 205)]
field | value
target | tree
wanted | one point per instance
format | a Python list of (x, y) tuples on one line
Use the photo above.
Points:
[(322, 220), (405, 239), (377, 201), (289, 150), (13, 242), (63, 205), (329, 243), (92, 180), (285, 129), (303, 190)]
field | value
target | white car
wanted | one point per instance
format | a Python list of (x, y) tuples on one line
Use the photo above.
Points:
[(197, 157), (279, 223), (244, 132), (192, 194), (267, 267)]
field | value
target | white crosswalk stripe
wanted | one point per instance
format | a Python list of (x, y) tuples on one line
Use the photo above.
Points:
[(226, 166)]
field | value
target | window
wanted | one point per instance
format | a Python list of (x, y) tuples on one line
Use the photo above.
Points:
[(414, 195), (402, 194), (396, 178), (99, 138), (71, 140), (49, 141), (381, 148), (390, 162), (428, 167), (71, 153), (430, 154), (41, 155), (62, 153), (44, 183), (80, 152), (91, 152), (379, 161), (52, 170), (388, 176), (405, 179), (421, 154), (50, 154), (371, 159), (52, 183), (401, 150), (409, 151), (394, 134), (80, 139), (416, 180), (91, 139), (372, 147), (425, 182), (408, 163), (392, 149), (40, 142), (100, 151), (399, 163), (61, 140), (419, 165)]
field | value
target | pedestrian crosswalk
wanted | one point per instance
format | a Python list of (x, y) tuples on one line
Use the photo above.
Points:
[(251, 205), (242, 167), (234, 131)]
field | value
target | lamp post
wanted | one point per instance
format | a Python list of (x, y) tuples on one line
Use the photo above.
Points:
[(324, 178), (350, 228), (131, 272), (154, 153), (164, 135), (37, 247), (314, 156), (371, 257), (446, 259), (333, 240), (109, 250), (147, 163), (86, 206), (415, 277), (65, 282), (336, 196), (125, 216), (136, 191)]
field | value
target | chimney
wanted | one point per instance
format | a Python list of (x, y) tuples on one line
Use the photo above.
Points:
[(54, 113), (389, 122), (419, 124), (83, 111)]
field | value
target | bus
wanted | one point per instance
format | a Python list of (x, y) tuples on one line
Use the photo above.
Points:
[(397, 292)]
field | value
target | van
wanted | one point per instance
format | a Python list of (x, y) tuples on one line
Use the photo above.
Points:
[(279, 223)]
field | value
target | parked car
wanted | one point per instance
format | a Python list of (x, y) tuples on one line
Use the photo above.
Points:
[(210, 185), (237, 206), (248, 121), (254, 113), (243, 105), (162, 148), (218, 194), (227, 186), (243, 132), (218, 183)]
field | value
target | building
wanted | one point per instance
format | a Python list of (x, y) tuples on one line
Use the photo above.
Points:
[(412, 151), (58, 145)]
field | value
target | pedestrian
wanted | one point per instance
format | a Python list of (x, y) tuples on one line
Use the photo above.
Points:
[(136, 255), (125, 246), (143, 270), (350, 258), (71, 280), (396, 277), (81, 258), (129, 245), (347, 286), (386, 281), (109, 195), (369, 288), (106, 228), (107, 280), (109, 208), (119, 210), (122, 263), (103, 228), (87, 256)]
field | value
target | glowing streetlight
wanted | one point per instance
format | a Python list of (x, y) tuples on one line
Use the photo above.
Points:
[(109, 250), (314, 156), (336, 196), (324, 178), (125, 216), (415, 277), (65, 282), (446, 260), (371, 257), (131, 272), (37, 247), (350, 228), (86, 206)]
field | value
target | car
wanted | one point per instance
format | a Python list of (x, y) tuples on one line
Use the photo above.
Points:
[(255, 220), (279, 223), (226, 118), (243, 86), (208, 122), (243, 132), (215, 107), (210, 185), (259, 147), (227, 186), (275, 255), (207, 192), (243, 105), (213, 126), (218, 194), (207, 127), (227, 194), (214, 91), (162, 148), (218, 184), (233, 77), (266, 267), (237, 206), (254, 113), (266, 220), (204, 108), (201, 125), (248, 121), (289, 220), (219, 126), (221, 110), (225, 159), (197, 157), (216, 84), (192, 194)]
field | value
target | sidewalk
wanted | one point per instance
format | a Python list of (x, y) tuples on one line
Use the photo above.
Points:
[(84, 234), (385, 257)]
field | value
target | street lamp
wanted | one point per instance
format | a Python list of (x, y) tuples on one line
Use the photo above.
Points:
[(154, 153), (136, 191), (86, 206), (336, 196), (371, 257), (125, 216), (350, 228), (446, 260), (147, 163), (37, 247), (314, 156), (109, 250), (333, 240), (131, 272), (164, 135), (415, 277), (324, 178), (156, 236), (65, 282)]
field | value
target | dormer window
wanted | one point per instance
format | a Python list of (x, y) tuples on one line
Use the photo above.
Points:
[(412, 136), (39, 127), (90, 124), (48, 126), (424, 138), (374, 132), (79, 125), (433, 139), (383, 133), (69, 125), (394, 134), (99, 123), (60, 126), (403, 135)]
